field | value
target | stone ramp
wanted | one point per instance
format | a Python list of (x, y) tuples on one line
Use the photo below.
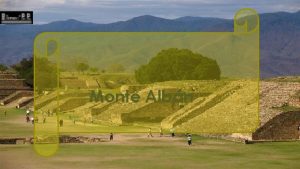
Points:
[(235, 111), (21, 102), (16, 96), (25, 102), (49, 101), (65, 104), (198, 106)]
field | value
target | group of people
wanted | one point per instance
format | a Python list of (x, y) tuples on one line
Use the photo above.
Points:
[(160, 132), (111, 136), (29, 118), (47, 114), (44, 115), (172, 131)]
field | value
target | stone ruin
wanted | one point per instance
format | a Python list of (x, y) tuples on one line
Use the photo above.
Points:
[(284, 126), (276, 123), (13, 88)]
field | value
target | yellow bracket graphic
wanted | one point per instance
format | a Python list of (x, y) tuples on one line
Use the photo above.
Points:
[(62, 88)]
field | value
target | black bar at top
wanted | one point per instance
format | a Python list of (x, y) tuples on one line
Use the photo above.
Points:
[(16, 17)]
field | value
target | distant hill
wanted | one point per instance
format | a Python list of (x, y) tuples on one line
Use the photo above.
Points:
[(280, 36)]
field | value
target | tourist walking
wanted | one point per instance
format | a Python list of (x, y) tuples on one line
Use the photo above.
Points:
[(111, 137), (44, 119), (189, 139), (61, 123), (150, 133), (27, 118), (172, 132), (299, 131), (32, 120)]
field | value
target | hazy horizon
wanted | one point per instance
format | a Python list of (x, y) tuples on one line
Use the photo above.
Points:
[(151, 16), (109, 11)]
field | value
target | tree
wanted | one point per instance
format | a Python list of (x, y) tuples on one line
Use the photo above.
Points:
[(46, 74), (141, 74), (178, 64), (207, 71), (81, 67), (25, 70), (94, 69), (116, 68), (3, 67)]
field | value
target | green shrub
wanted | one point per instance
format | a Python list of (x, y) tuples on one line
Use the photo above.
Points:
[(178, 64)]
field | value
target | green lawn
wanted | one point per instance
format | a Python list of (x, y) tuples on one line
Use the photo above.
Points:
[(14, 123), (138, 151), (148, 154)]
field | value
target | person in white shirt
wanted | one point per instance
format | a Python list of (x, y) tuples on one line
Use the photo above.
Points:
[(189, 139), (32, 120)]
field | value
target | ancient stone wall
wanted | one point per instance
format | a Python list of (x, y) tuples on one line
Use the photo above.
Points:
[(282, 127), (274, 95), (8, 76), (10, 84)]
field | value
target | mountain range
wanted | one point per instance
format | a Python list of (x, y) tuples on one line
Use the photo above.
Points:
[(279, 36)]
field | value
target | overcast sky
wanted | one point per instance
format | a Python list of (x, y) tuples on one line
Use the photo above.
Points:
[(107, 11)]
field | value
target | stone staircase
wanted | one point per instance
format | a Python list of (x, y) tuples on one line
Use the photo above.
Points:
[(10, 83), (45, 102), (199, 106), (274, 95), (119, 113), (16, 96)]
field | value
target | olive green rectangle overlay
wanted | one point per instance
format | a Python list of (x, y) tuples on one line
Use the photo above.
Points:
[(63, 85)]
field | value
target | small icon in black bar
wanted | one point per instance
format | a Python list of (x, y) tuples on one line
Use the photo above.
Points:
[(16, 17)]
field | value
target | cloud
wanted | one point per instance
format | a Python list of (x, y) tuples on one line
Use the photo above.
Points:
[(29, 4), (105, 11), (291, 7)]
